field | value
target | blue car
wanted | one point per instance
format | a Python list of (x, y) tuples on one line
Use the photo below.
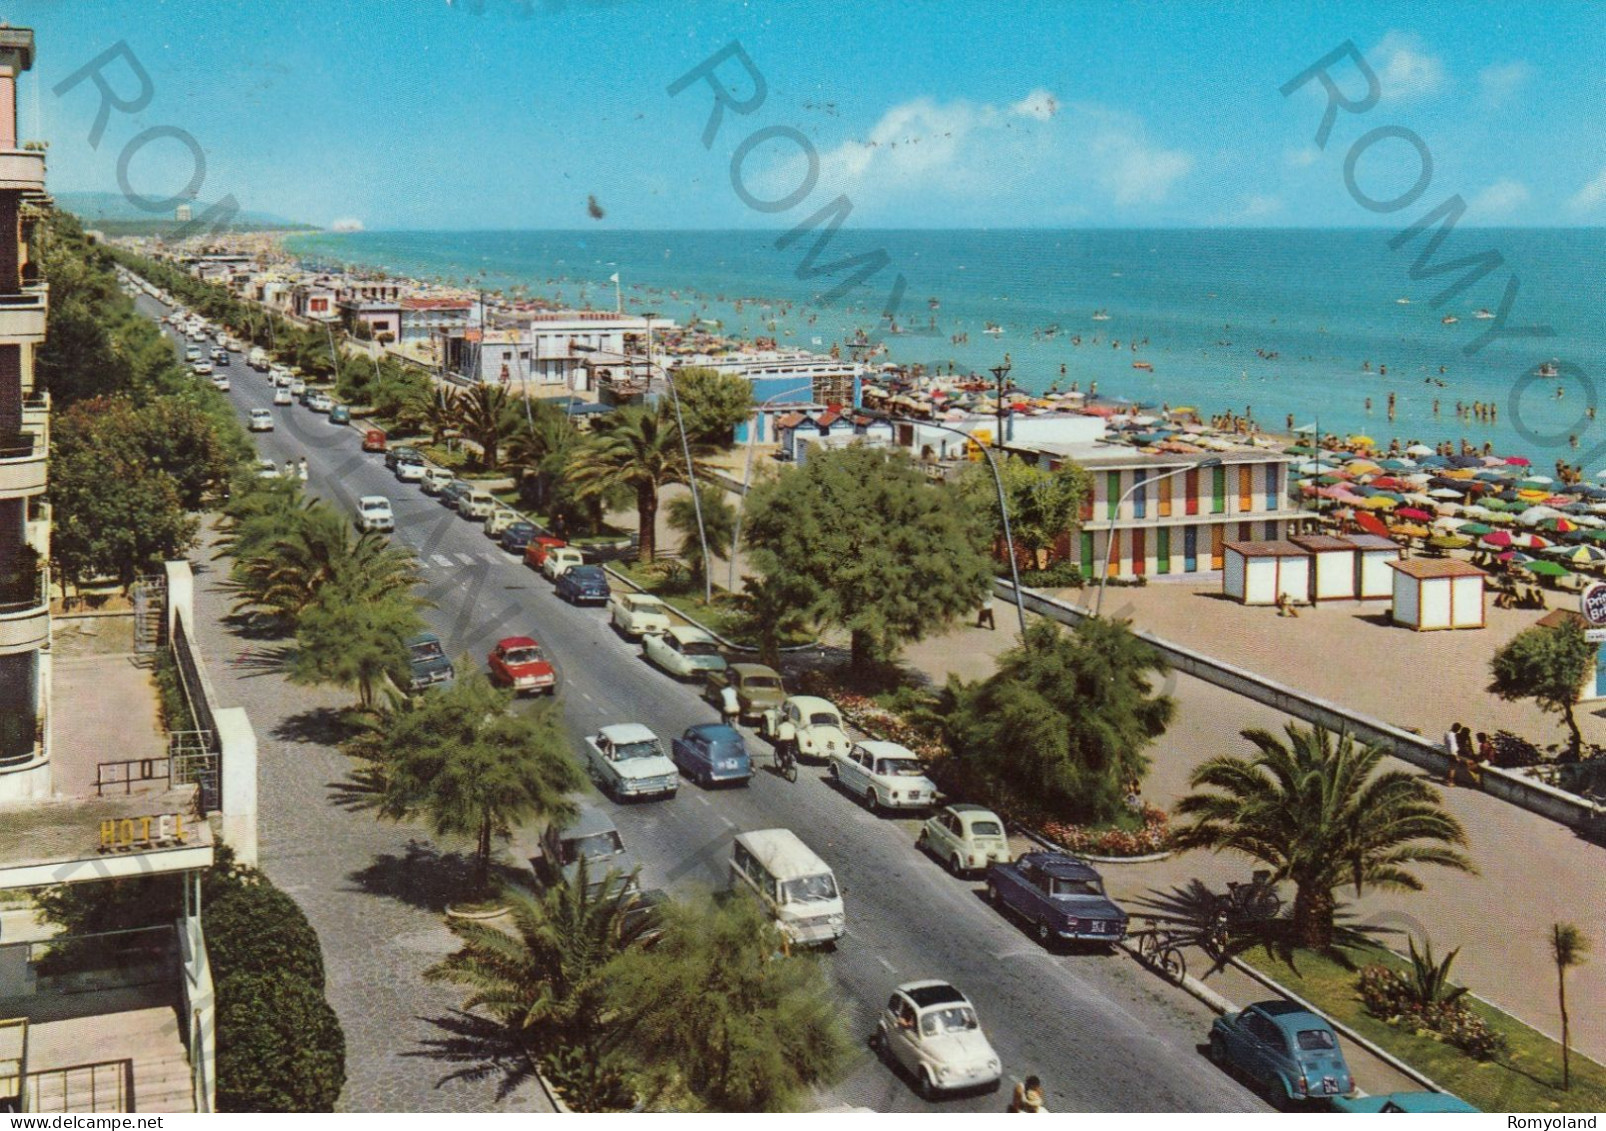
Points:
[(517, 536), (1060, 898), (712, 753), (1283, 1047), (1440, 1102), (582, 584)]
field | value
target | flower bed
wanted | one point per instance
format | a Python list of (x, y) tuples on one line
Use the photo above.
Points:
[(1151, 836), (1388, 996)]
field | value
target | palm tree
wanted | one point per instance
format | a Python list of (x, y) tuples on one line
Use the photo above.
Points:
[(542, 447), (321, 548), (544, 977), (352, 642), (437, 410), (460, 762), (487, 416), (718, 521), (1568, 946), (636, 448), (1320, 814)]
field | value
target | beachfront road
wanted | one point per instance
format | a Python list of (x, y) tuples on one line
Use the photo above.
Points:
[(1103, 1034)]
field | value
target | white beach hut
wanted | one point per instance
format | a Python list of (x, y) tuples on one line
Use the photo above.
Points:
[(1431, 593), (1374, 580), (1257, 573), (1334, 575)]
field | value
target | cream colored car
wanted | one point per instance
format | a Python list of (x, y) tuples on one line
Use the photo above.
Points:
[(636, 614), (967, 838), (812, 725)]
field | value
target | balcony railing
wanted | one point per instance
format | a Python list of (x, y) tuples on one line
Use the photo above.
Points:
[(22, 315), (22, 170)]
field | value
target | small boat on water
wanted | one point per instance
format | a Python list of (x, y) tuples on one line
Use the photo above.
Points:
[(1449, 320), (993, 328), (1403, 301), (1143, 365), (1549, 369), (1483, 315), (1101, 316)]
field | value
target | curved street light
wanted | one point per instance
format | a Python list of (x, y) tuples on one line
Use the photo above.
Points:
[(747, 474), (691, 470), (1212, 461)]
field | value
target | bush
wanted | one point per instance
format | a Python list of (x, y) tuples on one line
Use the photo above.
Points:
[(1061, 575), (1389, 996), (1152, 835), (252, 925), (279, 1045)]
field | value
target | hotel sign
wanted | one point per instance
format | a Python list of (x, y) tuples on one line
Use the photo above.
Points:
[(138, 834)]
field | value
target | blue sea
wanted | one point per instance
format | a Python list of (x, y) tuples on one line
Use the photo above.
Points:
[(1279, 323)]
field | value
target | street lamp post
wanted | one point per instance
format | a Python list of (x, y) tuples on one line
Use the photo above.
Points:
[(1003, 510), (1213, 461), (691, 471), (1001, 375), (747, 474)]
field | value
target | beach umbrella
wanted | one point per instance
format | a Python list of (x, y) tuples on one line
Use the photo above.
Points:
[(1398, 464), (1445, 493), (1518, 461), (1449, 542), (1533, 516), (1536, 481), (1595, 535), (1413, 514), (1377, 503), (1558, 525), (1545, 569), (1474, 528), (1419, 450), (1496, 540), (1363, 441), (1465, 461), (1579, 555), (1514, 557), (1305, 430), (1409, 530), (1371, 524)]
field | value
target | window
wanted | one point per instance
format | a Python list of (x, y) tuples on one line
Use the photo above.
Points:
[(1140, 494), (1246, 487), (1087, 553), (1218, 490), (1162, 550), (1140, 552), (1271, 487), (1112, 492), (1165, 495), (1190, 491)]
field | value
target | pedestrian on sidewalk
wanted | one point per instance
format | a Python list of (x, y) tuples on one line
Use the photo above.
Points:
[(984, 616), (1028, 1096)]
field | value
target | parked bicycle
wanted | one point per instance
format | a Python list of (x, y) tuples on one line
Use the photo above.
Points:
[(1158, 947), (1241, 905)]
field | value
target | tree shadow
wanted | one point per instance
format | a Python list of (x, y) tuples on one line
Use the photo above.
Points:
[(323, 726), (258, 661), (427, 878), (481, 1049), (255, 626)]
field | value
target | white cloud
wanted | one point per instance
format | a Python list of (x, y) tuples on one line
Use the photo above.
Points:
[(1499, 81), (1591, 196), (1499, 198), (1259, 206), (1404, 69), (1040, 104), (1131, 169), (1302, 158)]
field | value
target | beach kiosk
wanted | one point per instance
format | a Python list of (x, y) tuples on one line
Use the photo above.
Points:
[(1257, 573), (1332, 562), (1374, 580), (1431, 593)]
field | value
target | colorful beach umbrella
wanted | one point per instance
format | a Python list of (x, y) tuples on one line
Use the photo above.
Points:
[(1413, 514), (1514, 557), (1558, 525), (1545, 569), (1419, 450), (1518, 461), (1449, 542), (1579, 555), (1477, 529)]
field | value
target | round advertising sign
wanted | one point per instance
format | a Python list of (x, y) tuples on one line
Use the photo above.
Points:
[(1592, 604)]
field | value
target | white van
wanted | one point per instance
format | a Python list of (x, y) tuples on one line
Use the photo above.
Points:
[(796, 887), (257, 359)]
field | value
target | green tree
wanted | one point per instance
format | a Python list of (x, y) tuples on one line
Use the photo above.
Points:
[(1043, 504), (719, 522), (635, 448), (1549, 666), (112, 518), (774, 605), (319, 548), (541, 450), (458, 761), (712, 404), (891, 558), (280, 1047), (715, 1010), (1060, 729), (1320, 813), (487, 416), (1568, 948), (546, 979)]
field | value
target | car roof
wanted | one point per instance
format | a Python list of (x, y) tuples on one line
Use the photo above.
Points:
[(366, 499), (754, 669), (813, 703), (879, 748), (588, 821), (638, 598), (586, 571), (628, 732), (968, 813), (782, 853), (422, 638), (715, 732), (691, 634), (1062, 866), (932, 992), (964, 807), (508, 642), (1288, 1013)]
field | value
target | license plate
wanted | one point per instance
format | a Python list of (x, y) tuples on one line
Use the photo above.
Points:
[(1097, 927), (1329, 1085)]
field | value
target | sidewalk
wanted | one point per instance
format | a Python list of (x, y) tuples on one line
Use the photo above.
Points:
[(1532, 872)]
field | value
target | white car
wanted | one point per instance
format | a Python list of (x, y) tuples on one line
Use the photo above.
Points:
[(201, 368), (282, 396), (967, 838), (320, 402), (297, 386), (812, 725), (374, 513), (635, 614), (886, 775), (435, 478), (267, 469), (220, 382), (410, 471), (685, 651), (931, 1030), (192, 355), (261, 420), (627, 760), (559, 561)]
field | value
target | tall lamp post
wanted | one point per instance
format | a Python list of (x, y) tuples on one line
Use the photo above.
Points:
[(691, 471), (1213, 461), (1001, 375), (747, 474), (1003, 508)]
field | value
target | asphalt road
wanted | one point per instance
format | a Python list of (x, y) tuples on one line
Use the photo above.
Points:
[(1103, 1034)]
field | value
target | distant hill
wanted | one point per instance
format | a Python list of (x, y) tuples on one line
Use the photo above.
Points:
[(97, 207)]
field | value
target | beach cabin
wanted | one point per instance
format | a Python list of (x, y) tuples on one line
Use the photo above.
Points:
[(1257, 573), (1374, 580), (1333, 571), (876, 432), (1433, 593)]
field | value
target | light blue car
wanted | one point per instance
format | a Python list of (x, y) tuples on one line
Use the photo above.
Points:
[(1284, 1048), (711, 754), (1440, 1102)]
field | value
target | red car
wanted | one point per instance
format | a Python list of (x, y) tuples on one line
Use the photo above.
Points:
[(535, 552), (517, 662), (373, 440)]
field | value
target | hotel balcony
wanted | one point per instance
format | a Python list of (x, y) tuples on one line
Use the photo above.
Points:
[(24, 610), (22, 315), (22, 170), (22, 465)]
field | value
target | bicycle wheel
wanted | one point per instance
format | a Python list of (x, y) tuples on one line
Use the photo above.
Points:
[(1148, 945), (1174, 965)]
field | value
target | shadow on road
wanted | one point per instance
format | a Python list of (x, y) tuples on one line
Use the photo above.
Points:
[(423, 876), (481, 1049)]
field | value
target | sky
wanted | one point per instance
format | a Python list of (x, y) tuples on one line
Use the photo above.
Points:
[(519, 114)]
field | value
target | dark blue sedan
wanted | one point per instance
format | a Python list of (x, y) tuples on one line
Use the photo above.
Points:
[(1060, 897), (712, 753), (517, 536), (1284, 1048), (583, 584)]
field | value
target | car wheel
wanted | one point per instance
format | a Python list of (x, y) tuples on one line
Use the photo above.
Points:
[(1044, 935), (956, 865), (928, 1086), (871, 801), (836, 775), (922, 842), (995, 897), (1218, 1050)]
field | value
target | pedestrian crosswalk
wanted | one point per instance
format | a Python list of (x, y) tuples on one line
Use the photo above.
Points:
[(464, 561)]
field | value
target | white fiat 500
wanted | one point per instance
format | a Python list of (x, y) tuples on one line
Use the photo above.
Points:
[(931, 1031)]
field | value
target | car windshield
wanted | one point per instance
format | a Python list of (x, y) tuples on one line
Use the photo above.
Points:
[(986, 828), (376, 507), (646, 748), (1076, 889), (824, 719), (427, 650), (643, 605), (526, 655), (810, 889), (521, 529), (897, 767), (700, 648), (953, 1019), (592, 847), (1315, 1040), (762, 682)]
